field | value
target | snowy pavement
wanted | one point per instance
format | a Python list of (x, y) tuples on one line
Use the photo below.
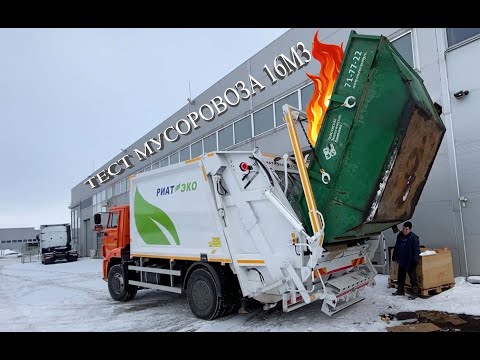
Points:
[(73, 297)]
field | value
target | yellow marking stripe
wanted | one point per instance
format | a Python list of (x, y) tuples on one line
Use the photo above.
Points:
[(269, 155), (321, 271), (220, 260), (191, 258), (246, 261), (192, 160), (204, 173), (358, 261), (210, 154)]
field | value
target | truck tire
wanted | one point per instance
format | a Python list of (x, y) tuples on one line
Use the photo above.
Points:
[(47, 262), (230, 289), (203, 291), (117, 285)]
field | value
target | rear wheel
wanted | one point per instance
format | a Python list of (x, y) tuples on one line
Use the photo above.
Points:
[(117, 285), (47, 261), (208, 294)]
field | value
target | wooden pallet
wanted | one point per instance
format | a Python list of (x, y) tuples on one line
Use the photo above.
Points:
[(423, 292)]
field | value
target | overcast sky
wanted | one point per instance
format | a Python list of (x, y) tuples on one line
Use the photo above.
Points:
[(70, 98)]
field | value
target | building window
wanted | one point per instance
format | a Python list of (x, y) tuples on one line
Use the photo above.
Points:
[(174, 158), (291, 99), (456, 35), (94, 203), (306, 95), (225, 137), (75, 226), (263, 120), (155, 165), (405, 48), (123, 185), (210, 143), (99, 202), (243, 129), (185, 154), (148, 168), (164, 162), (197, 149), (116, 188), (109, 192)]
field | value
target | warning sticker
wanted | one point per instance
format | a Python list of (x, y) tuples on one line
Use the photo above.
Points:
[(215, 242)]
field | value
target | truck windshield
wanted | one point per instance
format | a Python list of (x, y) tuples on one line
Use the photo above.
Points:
[(113, 220)]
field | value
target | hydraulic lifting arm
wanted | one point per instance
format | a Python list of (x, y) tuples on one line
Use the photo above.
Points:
[(290, 115)]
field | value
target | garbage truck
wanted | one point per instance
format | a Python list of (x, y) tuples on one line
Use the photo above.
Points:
[(284, 230)]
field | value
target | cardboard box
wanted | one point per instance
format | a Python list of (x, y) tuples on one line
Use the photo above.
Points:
[(432, 270), (423, 327)]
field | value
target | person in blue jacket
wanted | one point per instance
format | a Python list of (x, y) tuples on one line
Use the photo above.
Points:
[(407, 254)]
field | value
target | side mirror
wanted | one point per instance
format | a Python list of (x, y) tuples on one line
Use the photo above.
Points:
[(98, 227), (97, 218)]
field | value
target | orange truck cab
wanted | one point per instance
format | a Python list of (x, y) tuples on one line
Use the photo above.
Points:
[(116, 238)]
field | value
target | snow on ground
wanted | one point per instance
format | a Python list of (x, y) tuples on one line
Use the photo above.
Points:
[(73, 297), (8, 252)]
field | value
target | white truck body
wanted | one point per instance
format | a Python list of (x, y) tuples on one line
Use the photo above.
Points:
[(54, 242), (209, 209), (54, 235)]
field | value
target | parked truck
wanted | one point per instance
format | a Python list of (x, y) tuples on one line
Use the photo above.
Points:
[(55, 243), (284, 230)]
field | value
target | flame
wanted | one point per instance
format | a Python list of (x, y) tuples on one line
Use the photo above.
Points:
[(330, 58)]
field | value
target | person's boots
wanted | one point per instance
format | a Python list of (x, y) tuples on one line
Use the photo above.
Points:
[(400, 290), (414, 293)]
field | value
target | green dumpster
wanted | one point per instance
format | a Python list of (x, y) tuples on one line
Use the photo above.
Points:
[(378, 141)]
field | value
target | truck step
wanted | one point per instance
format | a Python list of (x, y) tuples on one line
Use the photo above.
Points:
[(347, 281), (155, 270), (329, 311), (173, 289)]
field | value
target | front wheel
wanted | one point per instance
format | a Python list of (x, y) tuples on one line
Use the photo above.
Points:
[(117, 285)]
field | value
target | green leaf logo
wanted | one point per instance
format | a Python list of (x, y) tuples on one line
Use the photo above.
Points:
[(176, 187), (146, 218)]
